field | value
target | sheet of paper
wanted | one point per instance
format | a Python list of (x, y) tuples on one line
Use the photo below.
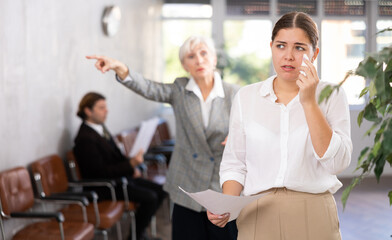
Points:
[(219, 203), (144, 136)]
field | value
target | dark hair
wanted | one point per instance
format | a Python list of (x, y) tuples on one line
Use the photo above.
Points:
[(298, 20), (88, 101)]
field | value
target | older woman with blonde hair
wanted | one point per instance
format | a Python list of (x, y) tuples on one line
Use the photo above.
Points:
[(201, 104)]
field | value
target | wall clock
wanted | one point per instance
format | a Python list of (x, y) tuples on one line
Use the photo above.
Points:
[(111, 20)]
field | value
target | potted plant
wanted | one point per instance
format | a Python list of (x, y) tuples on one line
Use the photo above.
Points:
[(377, 68)]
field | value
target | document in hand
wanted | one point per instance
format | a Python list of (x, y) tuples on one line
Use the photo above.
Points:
[(144, 136), (219, 203)]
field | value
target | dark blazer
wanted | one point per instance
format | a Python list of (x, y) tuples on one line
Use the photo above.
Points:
[(98, 157)]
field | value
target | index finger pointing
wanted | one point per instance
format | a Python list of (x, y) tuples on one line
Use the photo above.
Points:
[(93, 57)]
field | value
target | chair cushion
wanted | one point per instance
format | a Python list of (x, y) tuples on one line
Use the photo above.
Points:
[(132, 206), (50, 230), (110, 212)]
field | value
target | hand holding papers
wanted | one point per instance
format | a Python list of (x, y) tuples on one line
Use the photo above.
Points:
[(143, 138), (219, 203)]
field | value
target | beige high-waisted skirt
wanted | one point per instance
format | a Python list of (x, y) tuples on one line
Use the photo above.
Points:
[(289, 215)]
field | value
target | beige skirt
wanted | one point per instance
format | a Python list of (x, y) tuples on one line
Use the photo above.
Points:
[(289, 215)]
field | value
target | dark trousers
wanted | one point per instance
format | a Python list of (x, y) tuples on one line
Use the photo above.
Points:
[(148, 196), (191, 225)]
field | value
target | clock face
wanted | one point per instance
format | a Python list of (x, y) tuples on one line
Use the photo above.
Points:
[(111, 20)]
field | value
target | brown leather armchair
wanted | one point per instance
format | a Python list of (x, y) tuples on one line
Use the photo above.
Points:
[(129, 207), (155, 161), (16, 194), (51, 181)]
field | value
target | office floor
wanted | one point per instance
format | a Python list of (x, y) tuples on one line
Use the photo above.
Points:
[(368, 215)]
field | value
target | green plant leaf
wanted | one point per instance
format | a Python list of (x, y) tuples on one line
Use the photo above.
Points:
[(389, 159), (380, 131), (372, 90), (366, 165), (379, 168), (370, 113), (347, 190), (363, 92), (376, 148), (367, 68), (362, 156), (390, 198), (370, 130), (325, 93), (379, 82), (387, 139), (360, 117), (384, 55), (385, 30)]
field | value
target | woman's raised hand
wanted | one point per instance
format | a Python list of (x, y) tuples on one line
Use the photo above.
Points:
[(105, 64), (218, 220)]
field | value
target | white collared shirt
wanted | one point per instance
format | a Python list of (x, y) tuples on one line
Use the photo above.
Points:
[(269, 144), (216, 91), (97, 127)]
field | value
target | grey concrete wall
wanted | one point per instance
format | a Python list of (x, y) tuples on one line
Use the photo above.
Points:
[(44, 73)]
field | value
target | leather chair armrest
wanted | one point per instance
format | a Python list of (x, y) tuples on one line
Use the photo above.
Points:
[(95, 182), (157, 157), (45, 215), (161, 149), (168, 142), (88, 195), (108, 183)]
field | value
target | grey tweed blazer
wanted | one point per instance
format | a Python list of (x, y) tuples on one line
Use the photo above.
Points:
[(197, 155)]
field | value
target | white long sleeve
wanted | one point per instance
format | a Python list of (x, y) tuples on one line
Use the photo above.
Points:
[(269, 144)]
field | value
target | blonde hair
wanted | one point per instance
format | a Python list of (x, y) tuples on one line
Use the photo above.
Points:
[(192, 41)]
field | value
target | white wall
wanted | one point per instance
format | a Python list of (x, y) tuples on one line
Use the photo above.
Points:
[(44, 73)]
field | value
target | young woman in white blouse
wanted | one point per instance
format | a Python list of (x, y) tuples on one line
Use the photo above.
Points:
[(283, 142)]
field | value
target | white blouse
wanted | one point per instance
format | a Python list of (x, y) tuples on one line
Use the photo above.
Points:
[(216, 91), (269, 144)]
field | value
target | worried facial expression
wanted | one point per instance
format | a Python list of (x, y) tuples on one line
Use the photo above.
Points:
[(98, 112), (200, 62), (288, 49)]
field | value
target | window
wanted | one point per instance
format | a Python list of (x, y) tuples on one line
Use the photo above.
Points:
[(247, 7), (344, 7), (307, 6), (248, 51), (175, 32), (181, 19), (343, 47), (187, 11), (243, 49), (385, 8), (384, 39)]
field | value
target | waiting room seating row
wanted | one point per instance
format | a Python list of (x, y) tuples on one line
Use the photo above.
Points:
[(82, 212), (17, 197)]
